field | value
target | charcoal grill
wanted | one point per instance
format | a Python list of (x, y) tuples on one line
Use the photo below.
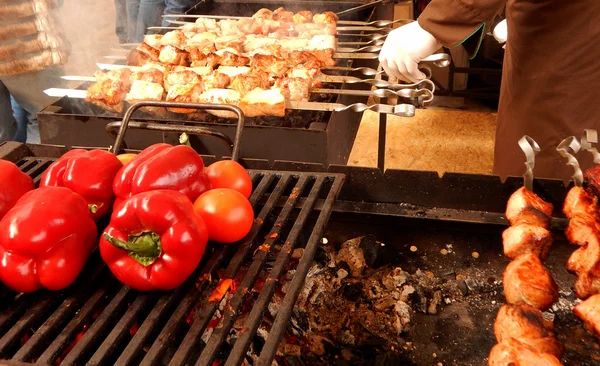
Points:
[(402, 209), (320, 137)]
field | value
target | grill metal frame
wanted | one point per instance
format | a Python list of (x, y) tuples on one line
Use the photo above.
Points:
[(327, 140)]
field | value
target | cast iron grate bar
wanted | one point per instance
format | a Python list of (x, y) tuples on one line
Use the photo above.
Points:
[(203, 317), (255, 317), (91, 321), (285, 310), (260, 256)]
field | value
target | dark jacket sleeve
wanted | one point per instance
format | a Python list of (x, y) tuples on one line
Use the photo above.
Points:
[(456, 22)]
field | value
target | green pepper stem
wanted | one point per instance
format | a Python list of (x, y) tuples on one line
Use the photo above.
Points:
[(145, 248), (93, 208), (184, 139)]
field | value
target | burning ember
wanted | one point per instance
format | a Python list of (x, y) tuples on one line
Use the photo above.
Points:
[(347, 310)]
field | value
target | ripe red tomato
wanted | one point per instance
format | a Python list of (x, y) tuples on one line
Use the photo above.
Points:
[(229, 174), (228, 215)]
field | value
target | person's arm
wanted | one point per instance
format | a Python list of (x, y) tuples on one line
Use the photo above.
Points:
[(443, 23), (456, 22)]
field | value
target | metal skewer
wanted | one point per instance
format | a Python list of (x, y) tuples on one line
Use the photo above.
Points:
[(323, 78), (349, 28), (530, 149), (374, 23), (590, 137), (403, 110), (567, 148)]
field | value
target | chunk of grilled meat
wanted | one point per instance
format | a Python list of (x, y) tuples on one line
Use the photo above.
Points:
[(181, 77), (235, 42), (511, 352), (528, 282), (107, 94), (198, 59), (207, 25), (172, 55), (589, 312), (294, 89), (302, 57), (245, 83), (327, 17), (588, 283), (144, 90), (122, 75), (525, 207), (592, 180), (142, 55), (153, 40), (528, 326), (221, 96), (216, 80), (305, 16), (325, 56), (185, 93), (580, 202), (582, 229), (283, 15), (232, 59), (233, 71), (586, 257), (270, 64), (263, 13), (261, 102), (151, 75), (204, 46), (175, 38), (525, 238)]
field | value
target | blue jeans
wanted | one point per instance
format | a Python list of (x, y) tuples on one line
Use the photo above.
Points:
[(22, 118), (142, 14), (177, 7)]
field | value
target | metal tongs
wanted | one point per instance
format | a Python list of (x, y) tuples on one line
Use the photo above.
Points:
[(530, 149), (567, 149)]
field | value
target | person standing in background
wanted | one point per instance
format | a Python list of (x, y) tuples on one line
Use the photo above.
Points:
[(32, 52), (121, 22), (142, 14), (177, 7)]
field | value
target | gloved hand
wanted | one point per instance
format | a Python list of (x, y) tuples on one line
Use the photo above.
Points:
[(501, 32), (404, 48)]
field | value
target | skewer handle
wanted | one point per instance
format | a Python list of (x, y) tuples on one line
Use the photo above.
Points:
[(567, 148), (590, 137), (530, 149)]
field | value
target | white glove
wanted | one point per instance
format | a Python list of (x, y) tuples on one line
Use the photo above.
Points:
[(501, 32), (404, 48)]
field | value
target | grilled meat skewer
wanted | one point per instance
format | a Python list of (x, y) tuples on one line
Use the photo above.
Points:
[(589, 312), (528, 282), (527, 325)]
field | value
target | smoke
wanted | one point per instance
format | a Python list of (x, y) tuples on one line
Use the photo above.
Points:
[(90, 29)]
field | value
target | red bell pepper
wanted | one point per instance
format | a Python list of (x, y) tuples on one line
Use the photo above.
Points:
[(13, 184), (45, 240), (162, 166), (154, 240), (88, 173)]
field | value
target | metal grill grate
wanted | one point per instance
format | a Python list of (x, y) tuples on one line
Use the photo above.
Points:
[(99, 321)]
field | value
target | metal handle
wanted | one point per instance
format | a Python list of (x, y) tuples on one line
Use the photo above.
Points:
[(530, 149), (590, 137), (235, 147), (567, 148), (114, 127)]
